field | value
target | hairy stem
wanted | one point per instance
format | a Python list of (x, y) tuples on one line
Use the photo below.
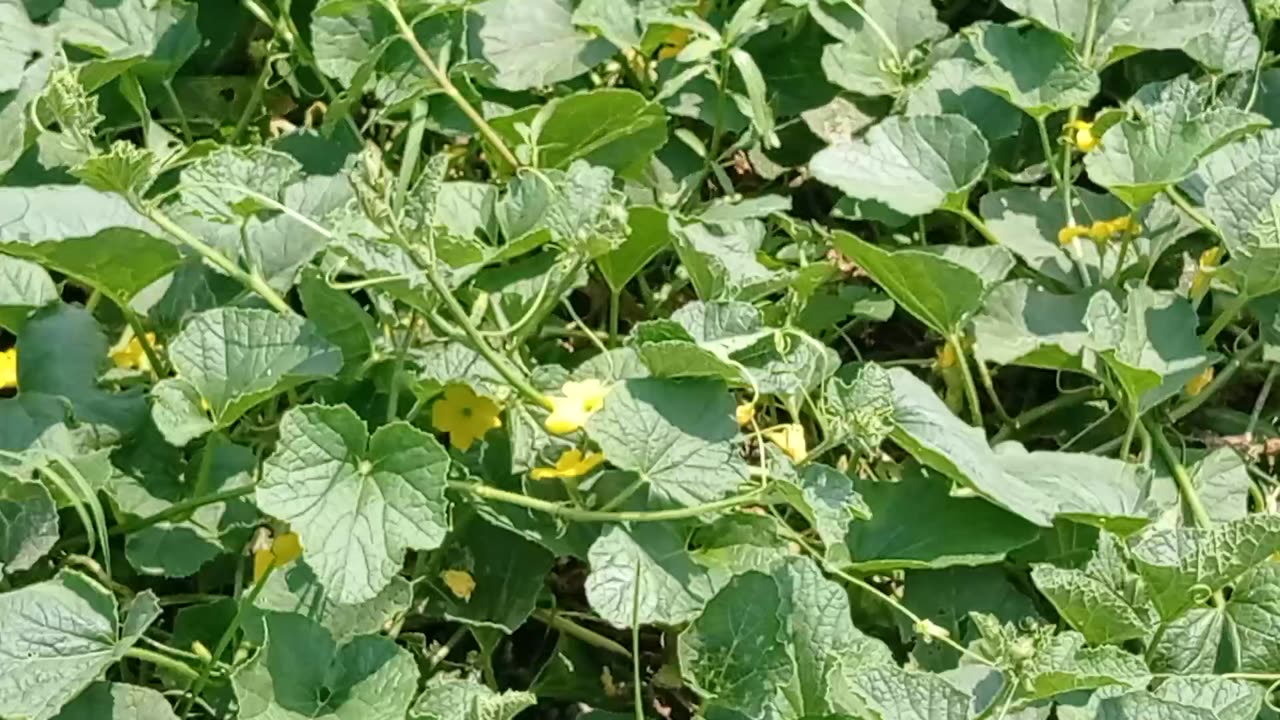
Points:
[(489, 492)]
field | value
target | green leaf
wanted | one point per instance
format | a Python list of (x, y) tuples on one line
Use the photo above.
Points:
[(61, 635), (229, 360), (531, 43), (1123, 27), (152, 483), (225, 185), (28, 524), (296, 590), (859, 406), (1023, 323), (1183, 566), (897, 694), (609, 127), (118, 701), (828, 502), (453, 698), (647, 235), (672, 588), (955, 86), (736, 652), (942, 289), (1064, 665), (145, 38), (1171, 126), (949, 598), (1106, 602), (869, 58), (340, 319), (368, 677), (46, 367), (1227, 699), (1254, 611), (1151, 347), (91, 236), (509, 572), (959, 532), (356, 501), (1032, 69), (679, 435), (1239, 182), (913, 165), (24, 288), (1230, 44), (721, 259)]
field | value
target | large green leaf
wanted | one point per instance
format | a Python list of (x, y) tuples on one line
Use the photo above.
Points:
[(454, 698), (644, 574), (1171, 126), (1123, 27), (296, 590), (960, 531), (1022, 323), (647, 235), (146, 38), (24, 287), (28, 523), (1105, 601), (913, 165), (368, 677), (61, 635), (943, 289), (955, 86), (92, 236), (1031, 69), (230, 359), (897, 694), (612, 127), (118, 701), (868, 60), (679, 435), (1183, 566), (45, 367), (358, 502), (509, 572), (534, 42)]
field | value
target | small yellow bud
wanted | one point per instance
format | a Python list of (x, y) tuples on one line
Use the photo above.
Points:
[(745, 413), (1197, 384), (946, 356), (460, 583)]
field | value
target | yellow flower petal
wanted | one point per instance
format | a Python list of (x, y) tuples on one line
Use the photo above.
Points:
[(745, 413), (1197, 384), (1069, 233), (133, 356), (263, 560), (946, 356), (460, 583), (791, 439), (284, 549), (464, 415), (8, 369), (571, 464), (1083, 137), (571, 410)]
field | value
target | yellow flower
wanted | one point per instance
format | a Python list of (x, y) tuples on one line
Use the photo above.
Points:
[(745, 413), (791, 439), (1197, 384), (572, 409), (946, 356), (460, 583), (1209, 260), (464, 415), (571, 464), (284, 549), (1069, 233), (132, 356), (1103, 230), (1083, 136), (9, 369), (674, 43)]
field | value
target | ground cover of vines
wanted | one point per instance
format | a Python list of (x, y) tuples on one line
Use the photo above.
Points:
[(627, 359)]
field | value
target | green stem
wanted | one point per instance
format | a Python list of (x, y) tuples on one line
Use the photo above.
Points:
[(1193, 212), (489, 492), (1261, 400), (255, 99), (978, 225), (1185, 486), (499, 363), (1224, 319), (1127, 442), (193, 689), (446, 85), (970, 389), (556, 621), (177, 108), (164, 661), (402, 351), (1028, 417), (176, 510), (206, 463), (412, 150), (615, 299), (638, 689), (218, 260), (1047, 146), (984, 375)]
